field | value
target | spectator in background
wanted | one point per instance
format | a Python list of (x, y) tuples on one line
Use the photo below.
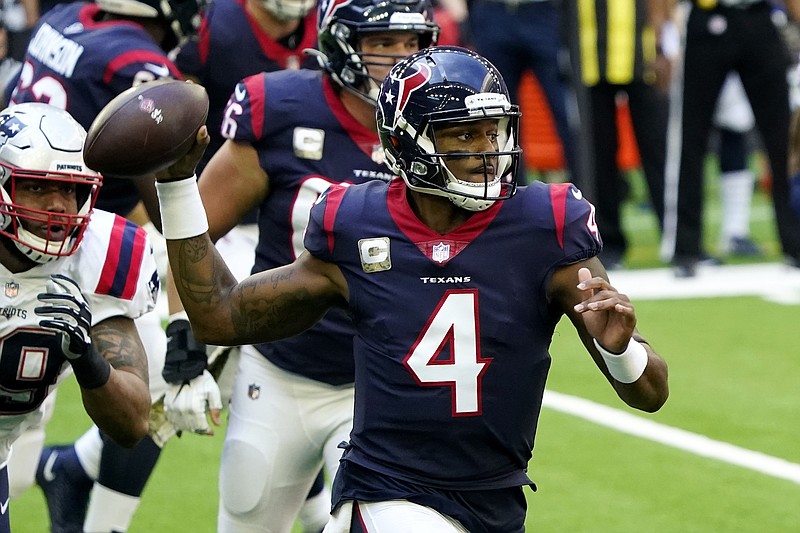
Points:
[(9, 67), (618, 55), (18, 17), (734, 120), (794, 160), (734, 35), (519, 36)]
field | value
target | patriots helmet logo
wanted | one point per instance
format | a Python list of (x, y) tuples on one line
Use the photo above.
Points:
[(10, 125)]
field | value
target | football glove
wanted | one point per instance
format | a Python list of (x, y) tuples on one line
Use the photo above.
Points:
[(186, 357), (187, 405), (67, 313)]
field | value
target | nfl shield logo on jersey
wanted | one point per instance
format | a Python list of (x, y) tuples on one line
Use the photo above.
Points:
[(12, 289), (440, 252), (253, 391)]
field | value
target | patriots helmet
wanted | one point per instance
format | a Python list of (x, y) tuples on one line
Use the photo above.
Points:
[(42, 142), (441, 86), (342, 24)]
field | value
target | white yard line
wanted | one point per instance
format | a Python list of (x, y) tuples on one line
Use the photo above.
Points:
[(670, 436), (773, 281)]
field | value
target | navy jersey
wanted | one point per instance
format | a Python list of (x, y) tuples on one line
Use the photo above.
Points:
[(79, 64), (231, 46), (453, 330), (305, 140)]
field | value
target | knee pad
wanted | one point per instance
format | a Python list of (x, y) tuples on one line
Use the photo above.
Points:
[(244, 473)]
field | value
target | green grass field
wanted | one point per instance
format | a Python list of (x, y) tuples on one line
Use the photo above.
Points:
[(733, 370)]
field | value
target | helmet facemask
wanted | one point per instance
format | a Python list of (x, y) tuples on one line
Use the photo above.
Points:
[(342, 28), (430, 174), (63, 232)]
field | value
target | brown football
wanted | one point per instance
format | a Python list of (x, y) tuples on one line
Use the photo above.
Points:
[(146, 128)]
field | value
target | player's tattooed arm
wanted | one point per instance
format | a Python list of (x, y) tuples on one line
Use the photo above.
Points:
[(121, 407), (266, 306), (291, 309), (199, 284), (119, 344)]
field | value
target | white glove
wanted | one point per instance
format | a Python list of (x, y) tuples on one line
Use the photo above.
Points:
[(187, 406)]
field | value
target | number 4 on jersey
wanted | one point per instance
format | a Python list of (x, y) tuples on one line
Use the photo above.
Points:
[(453, 324)]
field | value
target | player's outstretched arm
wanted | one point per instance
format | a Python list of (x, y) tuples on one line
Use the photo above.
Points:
[(606, 323), (121, 408), (108, 360), (267, 306)]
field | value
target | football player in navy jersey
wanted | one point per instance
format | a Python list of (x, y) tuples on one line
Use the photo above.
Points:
[(80, 57), (455, 281), (74, 279), (289, 135), (239, 38)]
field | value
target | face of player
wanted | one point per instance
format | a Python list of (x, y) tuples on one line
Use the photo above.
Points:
[(474, 136), (380, 51), (50, 197)]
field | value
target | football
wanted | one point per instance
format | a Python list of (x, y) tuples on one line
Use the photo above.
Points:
[(146, 128)]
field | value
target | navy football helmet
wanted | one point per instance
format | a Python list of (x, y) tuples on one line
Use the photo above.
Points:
[(342, 24), (440, 86), (181, 17)]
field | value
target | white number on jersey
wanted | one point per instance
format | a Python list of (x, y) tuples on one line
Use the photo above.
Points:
[(308, 193), (454, 323), (30, 361)]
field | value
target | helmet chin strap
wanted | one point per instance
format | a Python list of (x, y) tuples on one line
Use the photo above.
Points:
[(33, 250), (463, 192)]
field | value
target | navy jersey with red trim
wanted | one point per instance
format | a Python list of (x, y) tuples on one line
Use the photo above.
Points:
[(453, 331), (305, 140), (231, 46), (79, 64)]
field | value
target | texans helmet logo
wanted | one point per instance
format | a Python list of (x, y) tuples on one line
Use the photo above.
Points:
[(404, 87), (327, 7)]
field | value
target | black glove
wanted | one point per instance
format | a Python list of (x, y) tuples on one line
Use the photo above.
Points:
[(186, 357), (70, 317)]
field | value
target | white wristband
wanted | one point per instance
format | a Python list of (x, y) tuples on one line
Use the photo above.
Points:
[(628, 366), (182, 212)]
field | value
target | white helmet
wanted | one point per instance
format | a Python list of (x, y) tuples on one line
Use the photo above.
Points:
[(287, 10), (40, 141)]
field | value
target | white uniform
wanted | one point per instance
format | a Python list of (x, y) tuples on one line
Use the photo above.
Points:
[(115, 269)]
